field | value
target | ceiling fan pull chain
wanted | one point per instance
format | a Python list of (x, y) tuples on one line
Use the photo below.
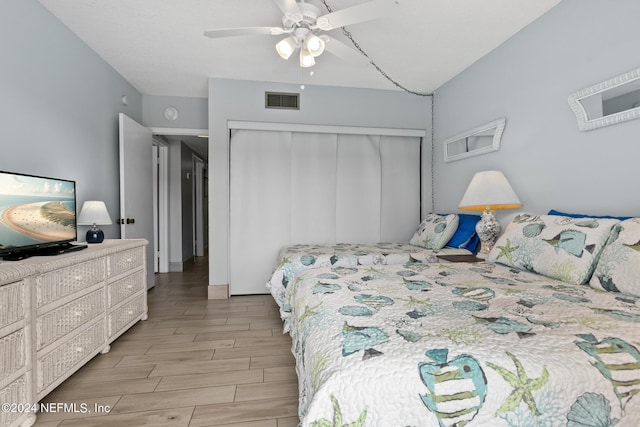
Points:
[(371, 61)]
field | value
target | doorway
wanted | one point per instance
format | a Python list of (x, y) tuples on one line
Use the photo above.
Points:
[(185, 190), (160, 159)]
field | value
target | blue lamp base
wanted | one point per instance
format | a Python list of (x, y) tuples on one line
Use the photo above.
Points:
[(95, 235)]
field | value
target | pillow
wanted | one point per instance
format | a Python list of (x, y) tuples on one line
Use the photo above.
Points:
[(559, 247), (618, 268), (465, 236), (435, 231), (558, 213), (473, 244)]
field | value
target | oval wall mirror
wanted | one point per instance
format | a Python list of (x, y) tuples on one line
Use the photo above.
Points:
[(613, 101), (479, 140)]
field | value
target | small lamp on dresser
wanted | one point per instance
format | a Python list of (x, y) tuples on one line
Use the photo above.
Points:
[(94, 213), (489, 191)]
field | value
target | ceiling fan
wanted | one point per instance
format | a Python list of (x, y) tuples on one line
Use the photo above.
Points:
[(303, 23)]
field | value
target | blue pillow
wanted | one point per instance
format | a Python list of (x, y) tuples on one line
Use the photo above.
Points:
[(473, 244), (558, 213), (465, 236)]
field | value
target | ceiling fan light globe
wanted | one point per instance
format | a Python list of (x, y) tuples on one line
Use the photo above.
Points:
[(314, 44), (286, 47), (306, 59)]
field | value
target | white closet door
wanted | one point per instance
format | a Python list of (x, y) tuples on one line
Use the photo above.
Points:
[(358, 189), (400, 188), (290, 187), (313, 187), (260, 197)]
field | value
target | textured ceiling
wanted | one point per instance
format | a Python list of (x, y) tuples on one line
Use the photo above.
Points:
[(159, 47)]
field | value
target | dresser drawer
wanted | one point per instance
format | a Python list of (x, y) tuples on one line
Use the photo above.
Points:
[(12, 301), (122, 316), (12, 353), (124, 261), (57, 323), (59, 283), (122, 289), (59, 362), (16, 396)]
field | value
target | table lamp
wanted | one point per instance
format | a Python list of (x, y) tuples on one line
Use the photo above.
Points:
[(94, 213), (489, 191)]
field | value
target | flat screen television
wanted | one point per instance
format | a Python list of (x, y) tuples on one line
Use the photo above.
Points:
[(37, 215)]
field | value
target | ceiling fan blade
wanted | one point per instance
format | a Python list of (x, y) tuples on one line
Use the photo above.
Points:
[(344, 52), (290, 9), (351, 15), (247, 31)]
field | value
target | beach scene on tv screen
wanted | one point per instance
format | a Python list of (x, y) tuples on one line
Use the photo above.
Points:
[(35, 210)]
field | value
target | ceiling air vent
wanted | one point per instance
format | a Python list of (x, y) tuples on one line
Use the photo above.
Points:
[(286, 101)]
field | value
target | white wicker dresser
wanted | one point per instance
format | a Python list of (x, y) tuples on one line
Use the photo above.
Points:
[(56, 313)]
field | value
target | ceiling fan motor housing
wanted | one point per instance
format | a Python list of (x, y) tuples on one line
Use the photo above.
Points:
[(308, 18)]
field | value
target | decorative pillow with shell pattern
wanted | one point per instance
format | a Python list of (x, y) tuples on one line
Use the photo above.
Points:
[(435, 231), (559, 247), (618, 268)]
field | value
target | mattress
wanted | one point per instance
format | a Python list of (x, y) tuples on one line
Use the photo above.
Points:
[(444, 344)]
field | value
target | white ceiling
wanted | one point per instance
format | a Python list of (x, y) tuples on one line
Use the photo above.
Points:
[(159, 47)]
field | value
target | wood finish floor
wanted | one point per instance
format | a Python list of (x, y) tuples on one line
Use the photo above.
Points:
[(194, 362)]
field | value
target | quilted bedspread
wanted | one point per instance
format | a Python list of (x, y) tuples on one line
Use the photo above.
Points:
[(452, 344), (296, 258)]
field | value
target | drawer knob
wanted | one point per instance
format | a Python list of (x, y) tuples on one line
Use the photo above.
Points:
[(130, 312), (129, 286), (79, 349), (78, 313)]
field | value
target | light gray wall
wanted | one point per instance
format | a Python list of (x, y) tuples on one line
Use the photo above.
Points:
[(192, 112), (244, 100), (60, 105), (549, 163)]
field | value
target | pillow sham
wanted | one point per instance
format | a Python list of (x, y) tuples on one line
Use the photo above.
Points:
[(465, 236), (559, 247), (618, 268), (435, 231)]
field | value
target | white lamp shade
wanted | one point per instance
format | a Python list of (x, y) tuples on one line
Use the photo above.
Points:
[(94, 212), (489, 190), (314, 44), (306, 59), (286, 47)]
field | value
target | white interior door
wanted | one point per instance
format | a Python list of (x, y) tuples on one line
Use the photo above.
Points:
[(136, 186), (259, 203), (358, 189), (399, 200)]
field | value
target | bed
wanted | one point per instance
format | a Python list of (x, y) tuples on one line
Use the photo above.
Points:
[(544, 333), (444, 234)]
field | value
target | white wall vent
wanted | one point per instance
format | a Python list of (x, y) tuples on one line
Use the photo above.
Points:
[(279, 100)]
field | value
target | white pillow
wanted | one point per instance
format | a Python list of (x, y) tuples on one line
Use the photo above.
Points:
[(435, 231), (618, 268), (559, 247)]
